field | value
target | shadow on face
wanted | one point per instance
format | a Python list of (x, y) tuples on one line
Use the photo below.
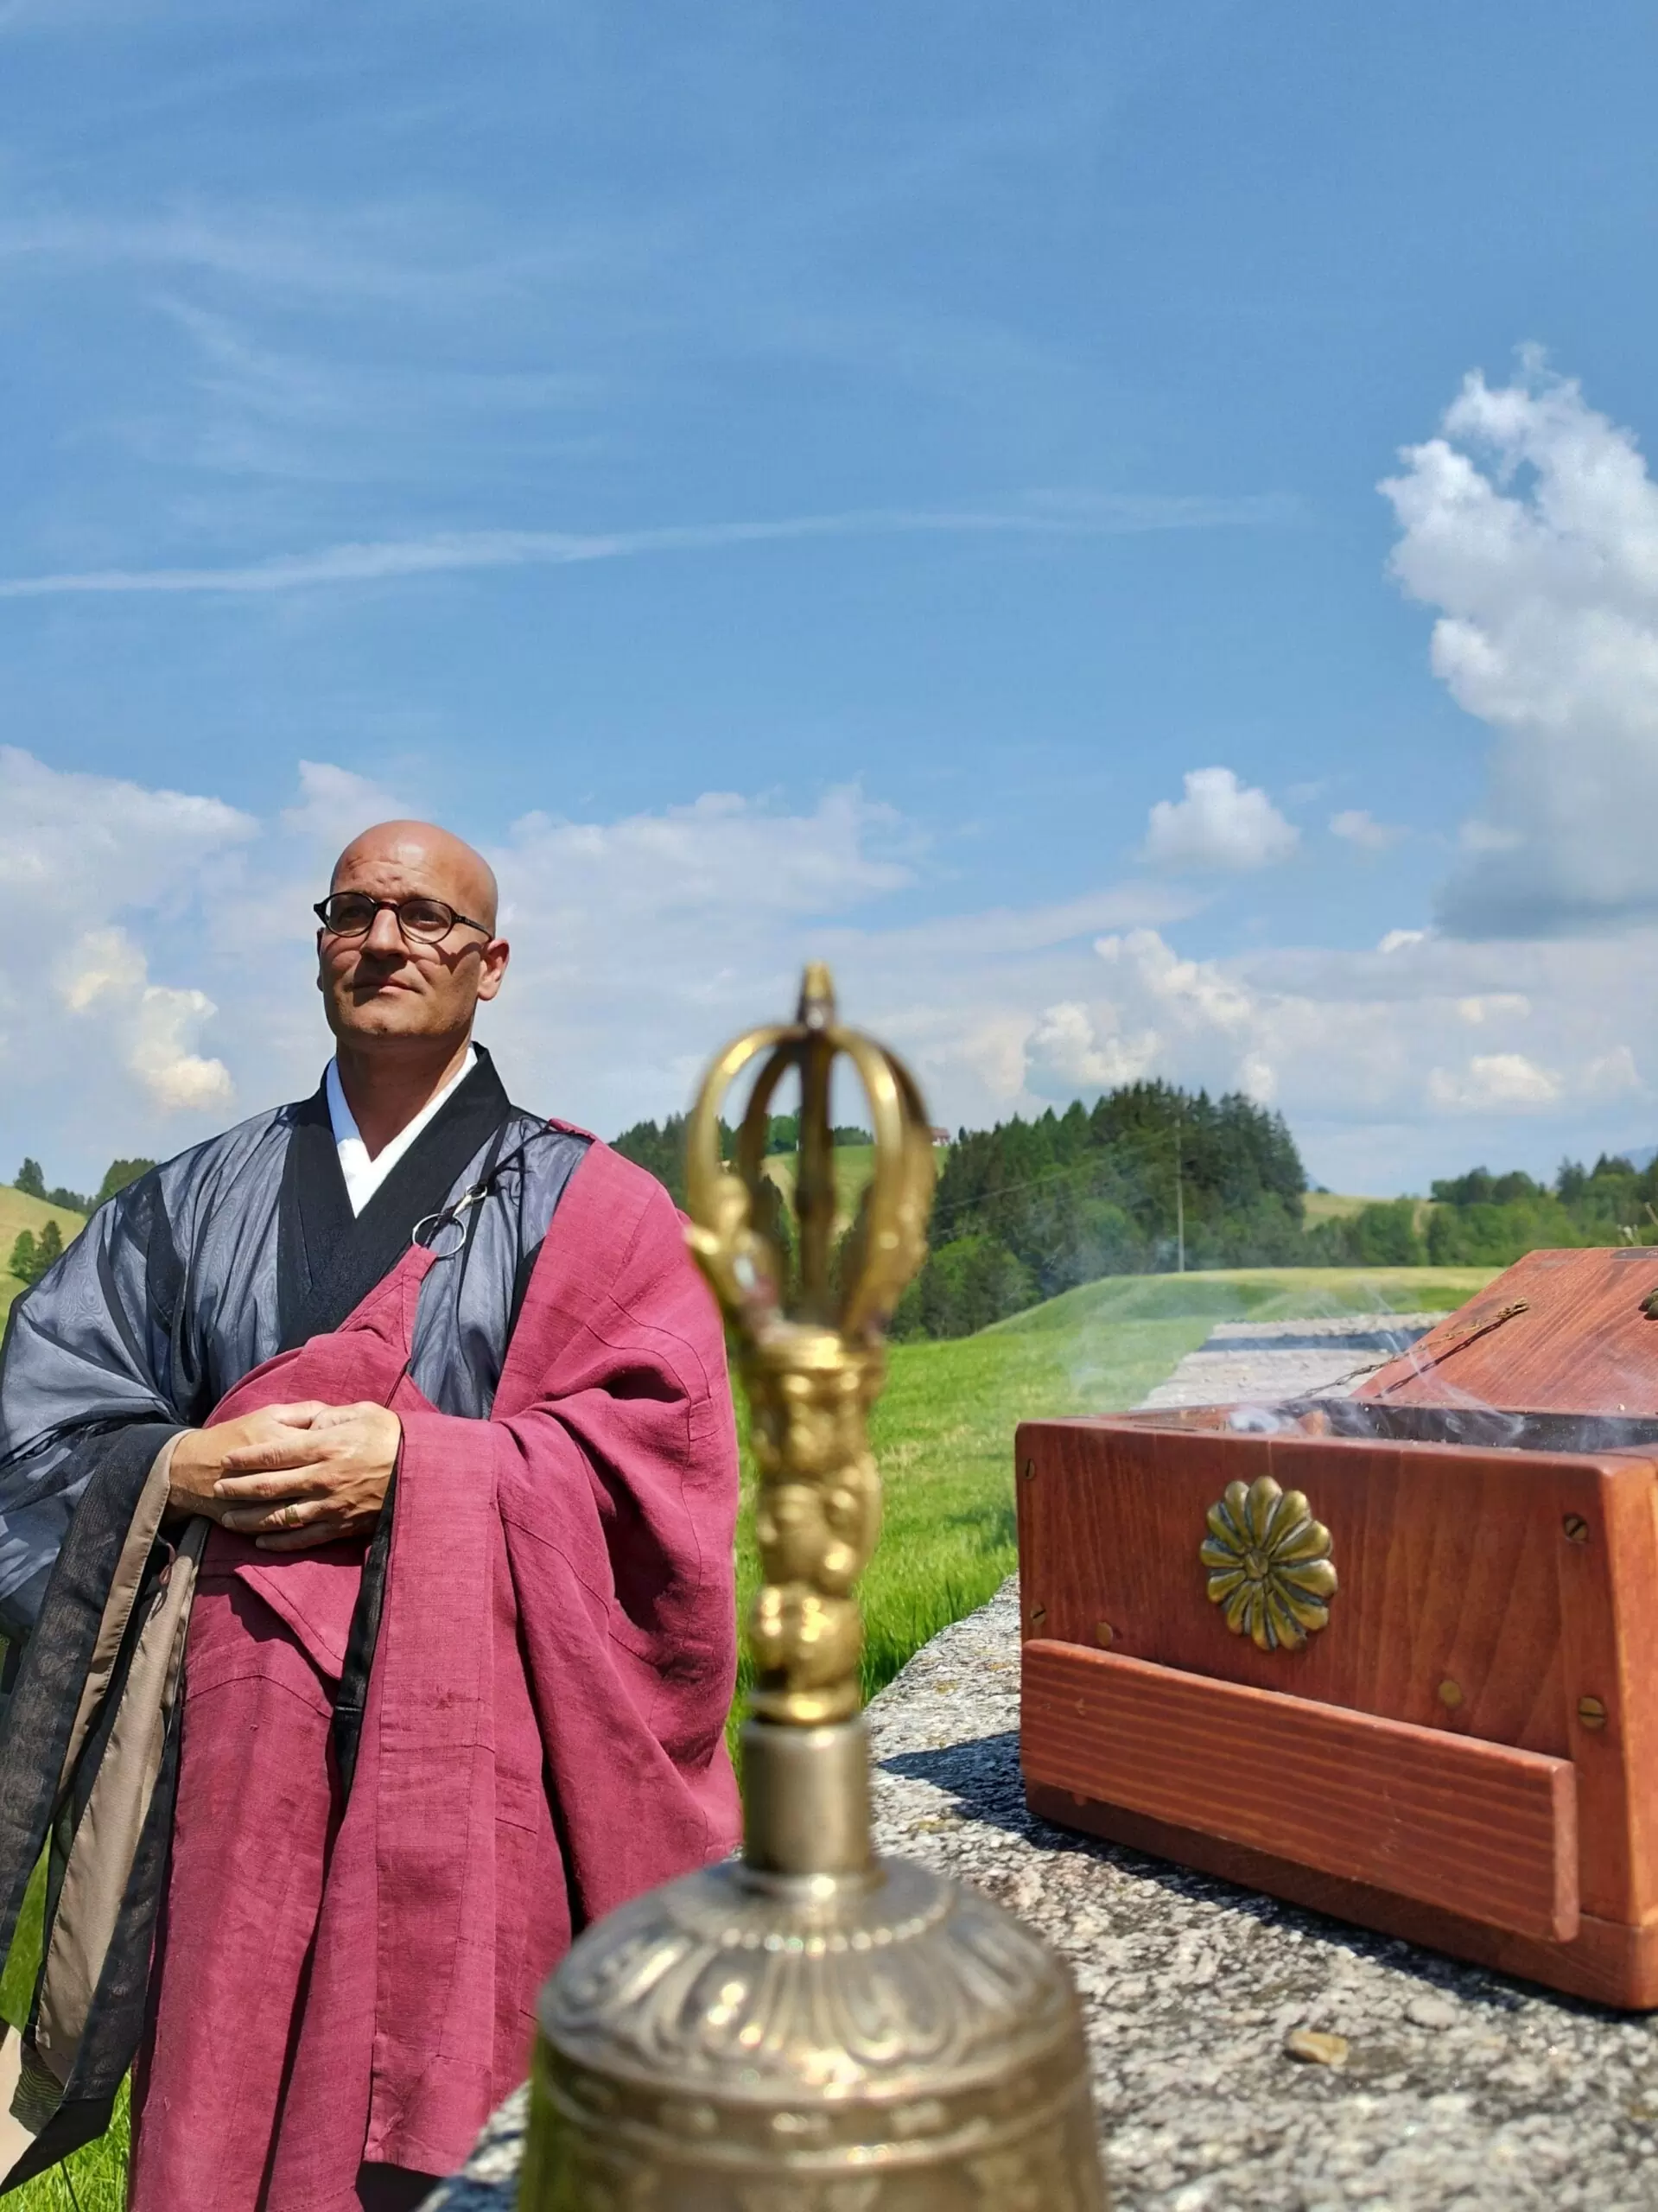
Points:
[(382, 988)]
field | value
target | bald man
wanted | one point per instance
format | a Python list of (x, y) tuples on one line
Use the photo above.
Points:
[(367, 1484)]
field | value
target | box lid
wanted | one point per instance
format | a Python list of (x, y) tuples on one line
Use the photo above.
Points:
[(1558, 1332)]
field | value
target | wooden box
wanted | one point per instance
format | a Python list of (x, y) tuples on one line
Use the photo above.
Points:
[(1466, 1752)]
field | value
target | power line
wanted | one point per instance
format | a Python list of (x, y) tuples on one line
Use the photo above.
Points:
[(1011, 1190)]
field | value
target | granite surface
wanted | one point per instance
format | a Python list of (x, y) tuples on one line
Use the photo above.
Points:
[(1259, 1362), (1247, 2056)]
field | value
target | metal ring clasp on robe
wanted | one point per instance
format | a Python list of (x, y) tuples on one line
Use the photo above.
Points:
[(447, 1218)]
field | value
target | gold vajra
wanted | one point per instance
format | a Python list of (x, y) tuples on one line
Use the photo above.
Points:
[(1269, 1565), (806, 1310)]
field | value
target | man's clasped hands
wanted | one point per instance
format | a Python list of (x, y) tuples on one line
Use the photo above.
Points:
[(291, 1477)]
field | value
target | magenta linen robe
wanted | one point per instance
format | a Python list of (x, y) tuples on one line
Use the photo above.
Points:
[(543, 1738)]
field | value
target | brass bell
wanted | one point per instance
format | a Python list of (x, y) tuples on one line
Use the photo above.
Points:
[(810, 2028)]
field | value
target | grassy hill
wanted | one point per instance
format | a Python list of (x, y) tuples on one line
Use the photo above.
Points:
[(1333, 1205), (17, 1213), (1247, 1294)]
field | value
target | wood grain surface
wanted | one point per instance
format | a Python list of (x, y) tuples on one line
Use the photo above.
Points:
[(1478, 1829), (1450, 1561), (1581, 1343), (1493, 1594)]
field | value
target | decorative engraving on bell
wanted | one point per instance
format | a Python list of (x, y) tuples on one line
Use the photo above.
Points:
[(809, 2028)]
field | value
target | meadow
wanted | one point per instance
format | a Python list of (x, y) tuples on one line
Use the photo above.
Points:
[(943, 1435)]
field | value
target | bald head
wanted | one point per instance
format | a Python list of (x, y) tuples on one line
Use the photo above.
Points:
[(426, 860), (405, 1002)]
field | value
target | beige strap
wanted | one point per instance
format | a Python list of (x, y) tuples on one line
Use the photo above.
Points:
[(105, 1842), (117, 1606)]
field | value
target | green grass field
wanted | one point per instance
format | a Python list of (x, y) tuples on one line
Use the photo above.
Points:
[(944, 1437)]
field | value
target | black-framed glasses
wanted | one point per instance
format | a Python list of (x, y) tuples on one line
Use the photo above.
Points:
[(422, 921)]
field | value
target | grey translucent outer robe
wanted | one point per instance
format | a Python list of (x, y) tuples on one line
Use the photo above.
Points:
[(242, 1248)]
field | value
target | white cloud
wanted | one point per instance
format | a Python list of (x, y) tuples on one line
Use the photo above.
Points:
[(1495, 1082), (334, 804), (1612, 1075), (146, 1028), (1258, 1078), (1064, 1056), (1219, 824), (1531, 523), (178, 1079), (71, 837), (105, 965), (1366, 1053), (1358, 828), (100, 875)]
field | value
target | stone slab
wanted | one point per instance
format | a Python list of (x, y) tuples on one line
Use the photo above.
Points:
[(1259, 1363)]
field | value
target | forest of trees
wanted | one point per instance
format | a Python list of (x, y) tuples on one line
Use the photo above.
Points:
[(1029, 1209), (1484, 1220)]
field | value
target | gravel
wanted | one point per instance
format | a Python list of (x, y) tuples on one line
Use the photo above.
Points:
[(1247, 2056)]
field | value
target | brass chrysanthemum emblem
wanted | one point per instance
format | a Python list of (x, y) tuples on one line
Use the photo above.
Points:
[(1269, 1565)]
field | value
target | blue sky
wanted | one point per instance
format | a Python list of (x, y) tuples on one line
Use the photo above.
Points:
[(795, 478)]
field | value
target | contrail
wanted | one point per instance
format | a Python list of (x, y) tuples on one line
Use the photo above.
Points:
[(378, 560)]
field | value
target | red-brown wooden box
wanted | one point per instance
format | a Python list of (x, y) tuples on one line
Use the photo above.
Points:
[(1466, 1754)]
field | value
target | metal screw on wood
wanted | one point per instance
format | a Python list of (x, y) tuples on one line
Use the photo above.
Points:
[(1029, 1471), (1591, 1713), (1103, 1633), (1037, 1615), (1576, 1529), (1450, 1696)]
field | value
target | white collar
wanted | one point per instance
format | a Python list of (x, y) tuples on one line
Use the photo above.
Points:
[(364, 1176)]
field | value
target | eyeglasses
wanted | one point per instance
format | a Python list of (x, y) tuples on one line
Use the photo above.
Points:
[(422, 921)]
